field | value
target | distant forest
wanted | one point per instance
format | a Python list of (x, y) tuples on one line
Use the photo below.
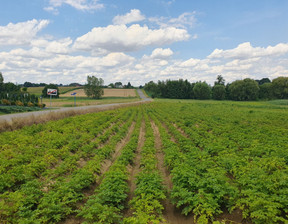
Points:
[(240, 90)]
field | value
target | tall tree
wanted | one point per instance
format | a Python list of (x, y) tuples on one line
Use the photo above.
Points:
[(266, 92), (1, 78), (280, 87), (202, 91), (219, 92), (94, 87), (219, 80), (244, 90)]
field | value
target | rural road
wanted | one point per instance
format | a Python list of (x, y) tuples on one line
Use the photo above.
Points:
[(10, 117)]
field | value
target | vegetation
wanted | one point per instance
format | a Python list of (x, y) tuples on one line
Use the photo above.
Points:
[(11, 94), (94, 87), (239, 90), (222, 157), (16, 109)]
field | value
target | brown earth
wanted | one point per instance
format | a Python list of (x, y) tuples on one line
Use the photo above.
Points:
[(107, 93), (109, 162), (135, 169), (171, 213)]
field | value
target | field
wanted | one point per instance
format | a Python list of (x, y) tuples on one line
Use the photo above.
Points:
[(169, 161), (107, 93), (66, 100), (38, 90)]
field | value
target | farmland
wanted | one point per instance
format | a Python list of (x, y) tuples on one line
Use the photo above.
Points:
[(169, 161), (66, 100)]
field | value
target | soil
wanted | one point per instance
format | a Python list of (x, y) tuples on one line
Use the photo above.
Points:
[(171, 213), (181, 131), (135, 169), (108, 163)]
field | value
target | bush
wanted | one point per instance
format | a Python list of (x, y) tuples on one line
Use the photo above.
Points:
[(29, 104), (19, 103), (6, 102)]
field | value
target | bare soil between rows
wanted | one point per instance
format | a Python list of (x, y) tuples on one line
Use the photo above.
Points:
[(171, 213)]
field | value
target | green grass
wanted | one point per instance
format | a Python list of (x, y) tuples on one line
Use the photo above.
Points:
[(62, 90), (279, 102), (85, 101), (16, 109)]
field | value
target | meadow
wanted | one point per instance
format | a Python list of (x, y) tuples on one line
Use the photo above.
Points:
[(169, 161)]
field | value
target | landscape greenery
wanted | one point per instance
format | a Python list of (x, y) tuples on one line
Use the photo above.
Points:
[(212, 161), (239, 90)]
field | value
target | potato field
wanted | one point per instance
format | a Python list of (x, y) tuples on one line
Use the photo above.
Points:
[(169, 161)]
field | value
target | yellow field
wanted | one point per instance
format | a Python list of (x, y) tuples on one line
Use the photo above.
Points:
[(107, 93)]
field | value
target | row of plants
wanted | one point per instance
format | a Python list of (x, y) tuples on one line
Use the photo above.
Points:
[(237, 153), (198, 185), (57, 188), (107, 203), (150, 191), (42, 146)]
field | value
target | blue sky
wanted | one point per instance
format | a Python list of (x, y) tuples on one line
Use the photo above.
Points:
[(63, 41)]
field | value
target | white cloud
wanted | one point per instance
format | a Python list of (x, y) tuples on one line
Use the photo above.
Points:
[(21, 33), (133, 16), (183, 21), (162, 53), (245, 50), (190, 62), (118, 38), (82, 5)]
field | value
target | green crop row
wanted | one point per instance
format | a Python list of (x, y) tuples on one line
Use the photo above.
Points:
[(49, 200), (234, 159), (108, 201), (149, 192)]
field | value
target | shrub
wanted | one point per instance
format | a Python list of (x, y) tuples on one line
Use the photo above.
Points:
[(29, 104), (6, 102), (19, 103)]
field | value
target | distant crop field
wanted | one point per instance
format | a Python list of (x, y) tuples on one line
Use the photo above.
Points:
[(38, 90), (169, 161), (107, 93)]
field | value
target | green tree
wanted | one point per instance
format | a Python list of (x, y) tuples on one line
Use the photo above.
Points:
[(202, 91), (244, 90), (280, 87), (129, 86), (266, 92), (50, 86), (219, 92), (94, 87), (263, 81), (219, 80), (1, 78)]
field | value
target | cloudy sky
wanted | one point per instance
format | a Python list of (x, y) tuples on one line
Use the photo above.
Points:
[(63, 41)]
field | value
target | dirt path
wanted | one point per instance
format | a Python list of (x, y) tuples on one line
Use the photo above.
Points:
[(109, 162), (135, 169), (171, 214)]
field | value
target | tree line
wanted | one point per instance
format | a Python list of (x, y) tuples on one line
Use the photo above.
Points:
[(11, 94), (240, 90)]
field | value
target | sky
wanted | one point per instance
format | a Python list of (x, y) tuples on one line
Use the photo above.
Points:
[(64, 41)]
